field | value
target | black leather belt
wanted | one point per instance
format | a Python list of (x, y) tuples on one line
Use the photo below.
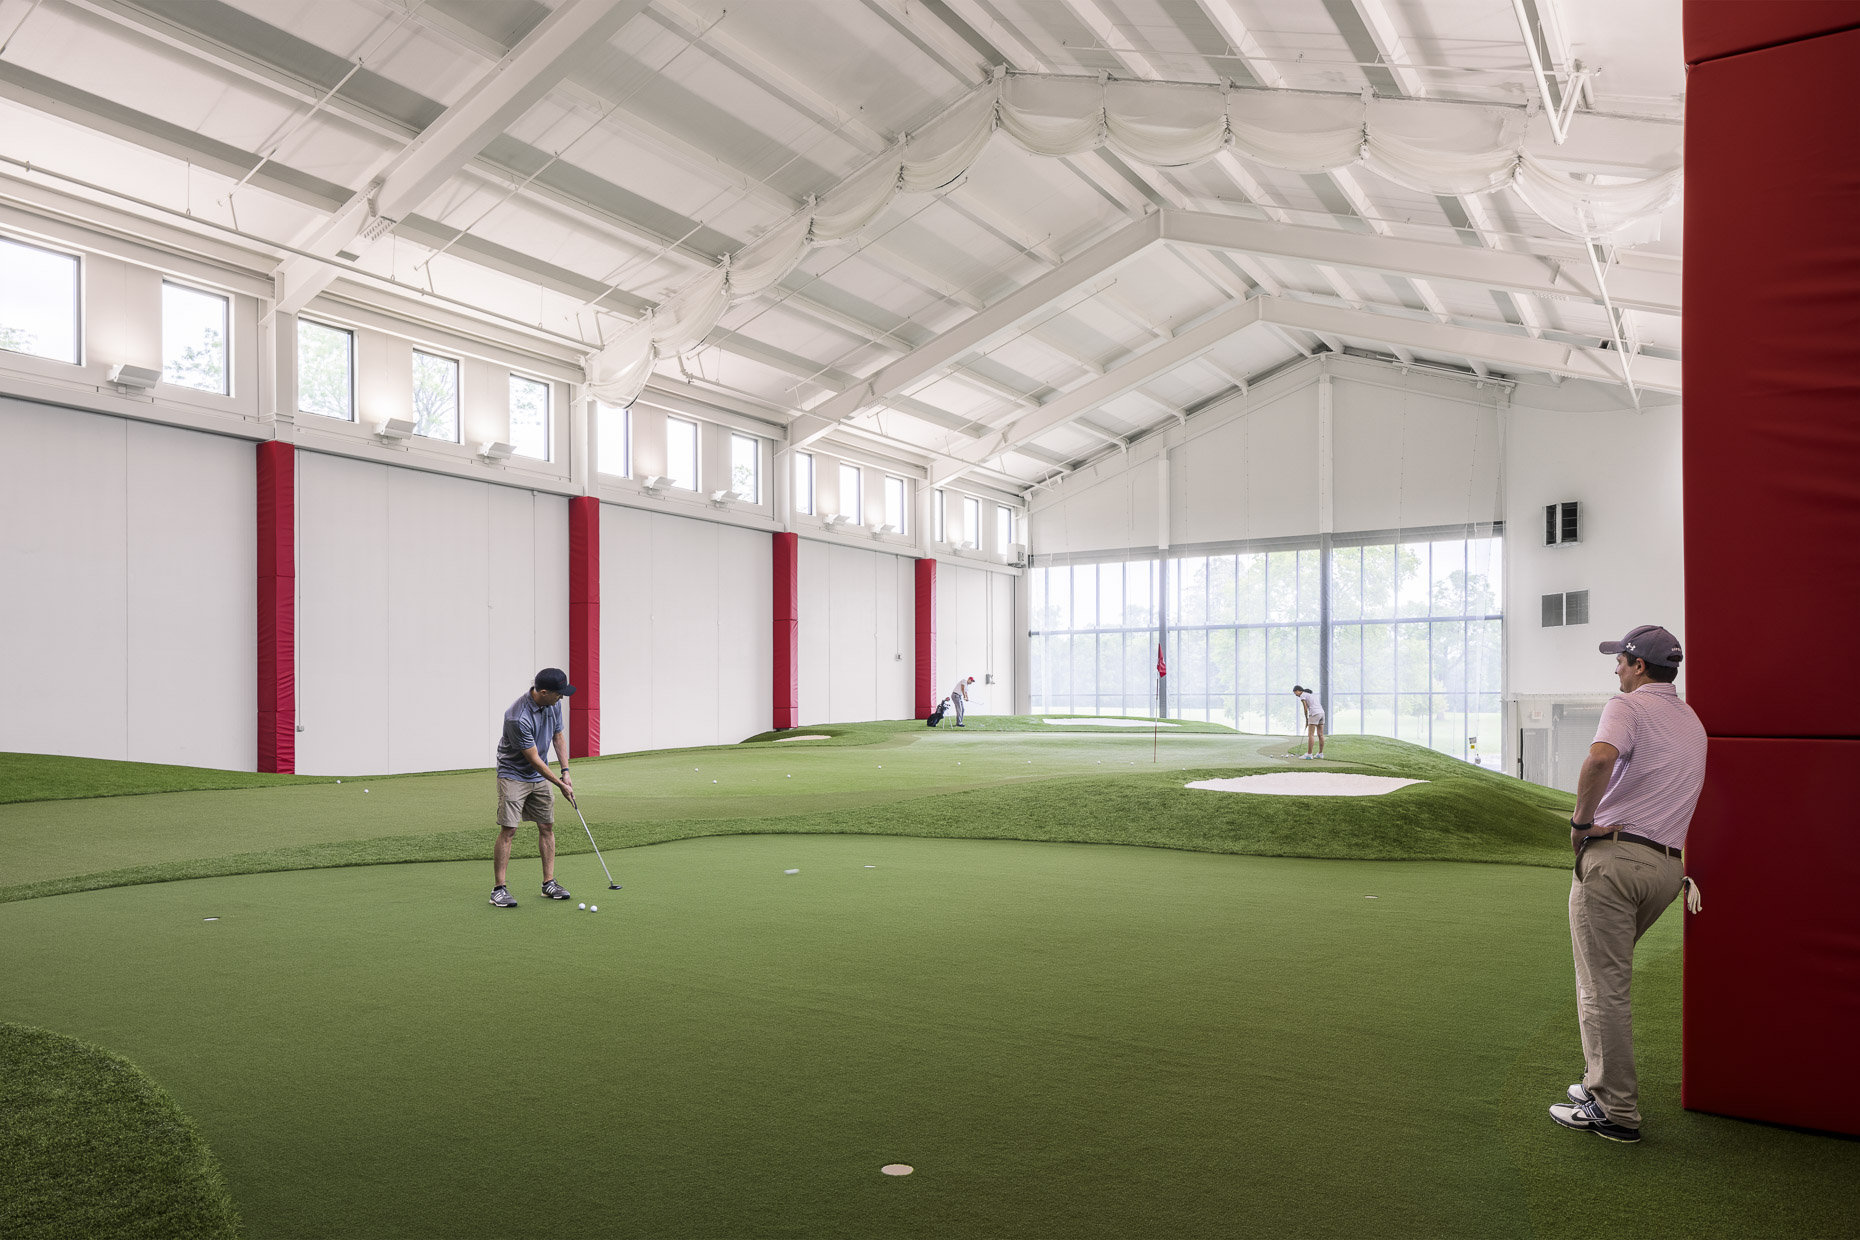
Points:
[(1642, 840)]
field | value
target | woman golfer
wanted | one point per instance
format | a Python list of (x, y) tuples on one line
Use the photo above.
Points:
[(1314, 721)]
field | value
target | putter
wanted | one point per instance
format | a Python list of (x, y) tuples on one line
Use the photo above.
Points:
[(611, 884)]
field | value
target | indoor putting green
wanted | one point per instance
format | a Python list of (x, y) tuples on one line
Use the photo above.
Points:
[(1062, 1039)]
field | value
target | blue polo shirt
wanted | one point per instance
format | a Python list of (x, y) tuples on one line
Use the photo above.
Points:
[(525, 725)]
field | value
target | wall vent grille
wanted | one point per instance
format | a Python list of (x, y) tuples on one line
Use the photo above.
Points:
[(1562, 523), (1553, 611)]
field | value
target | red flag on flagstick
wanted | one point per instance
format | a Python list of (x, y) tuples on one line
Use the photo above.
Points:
[(1161, 669)]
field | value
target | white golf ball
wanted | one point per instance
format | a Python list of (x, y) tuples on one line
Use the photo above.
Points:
[(339, 781), (594, 908), (791, 871), (713, 781), (583, 904), (364, 790)]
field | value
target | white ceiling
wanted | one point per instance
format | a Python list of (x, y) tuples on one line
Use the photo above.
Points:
[(678, 130)]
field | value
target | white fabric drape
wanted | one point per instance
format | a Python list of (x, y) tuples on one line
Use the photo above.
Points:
[(1429, 147)]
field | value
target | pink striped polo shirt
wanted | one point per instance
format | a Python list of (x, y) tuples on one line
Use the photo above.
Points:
[(1656, 780)]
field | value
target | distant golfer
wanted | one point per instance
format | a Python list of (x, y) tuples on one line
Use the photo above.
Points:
[(531, 725), (1634, 801), (1314, 721), (960, 696)]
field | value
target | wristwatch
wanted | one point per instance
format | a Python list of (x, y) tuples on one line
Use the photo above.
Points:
[(1581, 826)]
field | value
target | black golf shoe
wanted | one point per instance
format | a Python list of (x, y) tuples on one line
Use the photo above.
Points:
[(1588, 1117), (555, 890), (502, 898)]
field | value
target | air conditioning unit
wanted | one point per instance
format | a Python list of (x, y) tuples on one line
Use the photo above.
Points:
[(1560, 610), (1562, 523)]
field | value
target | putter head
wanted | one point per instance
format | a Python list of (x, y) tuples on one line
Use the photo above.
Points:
[(613, 886)]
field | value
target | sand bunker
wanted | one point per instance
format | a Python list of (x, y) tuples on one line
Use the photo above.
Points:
[(783, 740), (1315, 784), (1111, 723)]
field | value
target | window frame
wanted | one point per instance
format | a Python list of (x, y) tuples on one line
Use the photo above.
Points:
[(1004, 527), (804, 496), (697, 453), (77, 302), (349, 332), (458, 395), (626, 438), (939, 516), (972, 522), (904, 503), (857, 515), (548, 388), (754, 496), (226, 350)]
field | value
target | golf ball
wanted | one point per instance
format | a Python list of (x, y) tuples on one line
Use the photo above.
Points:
[(594, 908), (791, 871), (364, 790), (583, 904)]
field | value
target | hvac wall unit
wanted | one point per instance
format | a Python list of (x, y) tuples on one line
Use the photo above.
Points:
[(1562, 523), (1566, 609)]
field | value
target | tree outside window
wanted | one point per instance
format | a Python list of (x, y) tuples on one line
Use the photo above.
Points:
[(38, 302), (529, 417), (193, 338), (325, 370), (435, 396), (746, 467)]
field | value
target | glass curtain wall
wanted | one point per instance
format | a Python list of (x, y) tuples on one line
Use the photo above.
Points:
[(1416, 637), (1417, 643)]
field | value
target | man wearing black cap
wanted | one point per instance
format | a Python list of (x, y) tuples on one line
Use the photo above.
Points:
[(532, 723), (1634, 802)]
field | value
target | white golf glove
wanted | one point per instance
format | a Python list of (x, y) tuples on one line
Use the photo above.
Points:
[(1691, 887)]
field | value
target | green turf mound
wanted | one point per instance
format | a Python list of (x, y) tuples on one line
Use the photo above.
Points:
[(91, 1147), (886, 729), (867, 779), (54, 777)]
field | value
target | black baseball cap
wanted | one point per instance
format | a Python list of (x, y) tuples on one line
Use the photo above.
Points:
[(1650, 642), (554, 680)]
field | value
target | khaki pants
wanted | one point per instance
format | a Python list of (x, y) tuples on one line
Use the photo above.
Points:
[(1619, 891)]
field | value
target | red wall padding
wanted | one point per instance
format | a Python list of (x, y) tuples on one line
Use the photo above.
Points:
[(926, 638), (277, 607), (1772, 534), (584, 626), (1727, 27), (787, 615), (1772, 1006), (1772, 380)]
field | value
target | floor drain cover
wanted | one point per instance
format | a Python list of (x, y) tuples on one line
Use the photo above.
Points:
[(896, 1169)]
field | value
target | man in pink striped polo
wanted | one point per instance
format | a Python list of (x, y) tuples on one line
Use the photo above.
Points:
[(1634, 801)]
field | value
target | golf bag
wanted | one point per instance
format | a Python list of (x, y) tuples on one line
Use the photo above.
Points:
[(936, 716)]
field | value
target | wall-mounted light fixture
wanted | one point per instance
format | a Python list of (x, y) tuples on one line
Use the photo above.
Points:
[(497, 450), (136, 378), (394, 428)]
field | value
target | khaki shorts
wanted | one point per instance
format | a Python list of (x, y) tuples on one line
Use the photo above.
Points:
[(518, 800)]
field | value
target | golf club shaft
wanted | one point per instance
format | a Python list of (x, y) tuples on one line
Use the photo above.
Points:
[(596, 847)]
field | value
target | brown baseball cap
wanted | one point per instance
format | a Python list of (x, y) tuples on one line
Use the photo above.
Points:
[(1649, 642)]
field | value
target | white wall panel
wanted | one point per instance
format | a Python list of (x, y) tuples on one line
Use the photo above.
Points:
[(425, 606), (1403, 460), (851, 619), (127, 565), (192, 618), (687, 643), (342, 616), (438, 636), (63, 581), (857, 624), (1624, 469), (974, 636)]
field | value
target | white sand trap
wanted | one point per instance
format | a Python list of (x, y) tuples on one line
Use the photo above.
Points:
[(1316, 784), (783, 740), (1110, 723)]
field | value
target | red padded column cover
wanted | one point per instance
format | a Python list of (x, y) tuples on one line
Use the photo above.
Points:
[(1772, 1006), (277, 608), (584, 626), (787, 608), (926, 637), (1772, 531), (1772, 379)]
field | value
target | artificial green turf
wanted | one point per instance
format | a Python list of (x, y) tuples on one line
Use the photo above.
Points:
[(870, 778), (54, 777), (1063, 1040), (89, 1147)]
